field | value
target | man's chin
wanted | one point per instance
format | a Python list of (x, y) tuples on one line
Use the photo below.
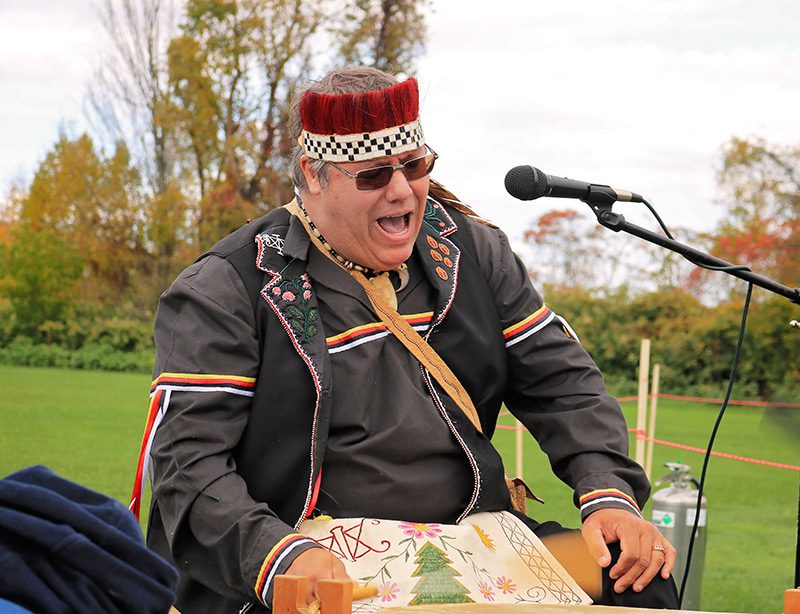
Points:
[(392, 259)]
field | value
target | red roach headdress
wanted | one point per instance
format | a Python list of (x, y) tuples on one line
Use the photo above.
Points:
[(362, 126)]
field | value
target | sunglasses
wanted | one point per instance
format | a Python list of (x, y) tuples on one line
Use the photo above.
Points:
[(379, 176)]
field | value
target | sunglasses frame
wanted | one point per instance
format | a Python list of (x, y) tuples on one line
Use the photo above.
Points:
[(394, 167)]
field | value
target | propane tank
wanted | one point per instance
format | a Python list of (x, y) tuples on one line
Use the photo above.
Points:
[(674, 511)]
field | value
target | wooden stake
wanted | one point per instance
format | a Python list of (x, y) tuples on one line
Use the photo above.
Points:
[(651, 426), (641, 412)]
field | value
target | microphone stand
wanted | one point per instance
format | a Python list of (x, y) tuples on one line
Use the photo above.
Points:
[(601, 199), (601, 202)]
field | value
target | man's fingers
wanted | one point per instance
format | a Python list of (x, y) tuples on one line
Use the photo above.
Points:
[(644, 552), (629, 561), (661, 559), (669, 559), (657, 558), (596, 543)]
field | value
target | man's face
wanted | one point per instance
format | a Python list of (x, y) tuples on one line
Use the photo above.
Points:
[(374, 228)]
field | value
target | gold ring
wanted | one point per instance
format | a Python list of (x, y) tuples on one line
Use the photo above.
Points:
[(659, 548)]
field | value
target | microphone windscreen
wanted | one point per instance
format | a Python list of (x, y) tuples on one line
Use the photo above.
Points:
[(526, 182)]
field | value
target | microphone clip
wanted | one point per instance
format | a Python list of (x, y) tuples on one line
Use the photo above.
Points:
[(600, 198)]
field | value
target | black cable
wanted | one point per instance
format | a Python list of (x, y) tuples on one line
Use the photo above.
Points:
[(711, 440), (723, 407), (724, 269), (658, 219), (710, 267)]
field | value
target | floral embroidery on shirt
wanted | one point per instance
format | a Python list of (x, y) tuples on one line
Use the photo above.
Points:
[(296, 294), (432, 216)]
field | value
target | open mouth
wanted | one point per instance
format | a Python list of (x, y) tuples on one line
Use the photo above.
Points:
[(396, 224)]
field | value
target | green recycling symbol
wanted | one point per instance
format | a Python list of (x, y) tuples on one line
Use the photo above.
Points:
[(667, 519)]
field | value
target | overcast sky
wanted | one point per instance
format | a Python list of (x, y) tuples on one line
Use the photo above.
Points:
[(636, 94)]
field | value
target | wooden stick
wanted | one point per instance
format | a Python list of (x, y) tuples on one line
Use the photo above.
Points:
[(364, 591), (641, 412), (651, 426)]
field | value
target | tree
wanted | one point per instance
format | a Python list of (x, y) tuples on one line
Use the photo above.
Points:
[(128, 98), (570, 249), (41, 271), (203, 103), (130, 103), (233, 71), (90, 207), (760, 183), (386, 34)]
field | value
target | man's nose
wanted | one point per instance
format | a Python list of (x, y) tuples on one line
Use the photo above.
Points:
[(398, 186)]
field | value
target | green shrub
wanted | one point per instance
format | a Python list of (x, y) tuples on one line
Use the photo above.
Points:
[(124, 334), (22, 351), (103, 357)]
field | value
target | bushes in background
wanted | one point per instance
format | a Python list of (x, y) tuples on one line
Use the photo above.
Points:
[(86, 341), (693, 342)]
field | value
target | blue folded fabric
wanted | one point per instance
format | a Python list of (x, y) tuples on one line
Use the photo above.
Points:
[(6, 607), (66, 548)]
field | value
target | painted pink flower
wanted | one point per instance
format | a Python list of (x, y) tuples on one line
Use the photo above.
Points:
[(306, 285), (388, 591), (506, 585), (288, 296), (307, 294), (276, 290), (486, 590), (418, 530)]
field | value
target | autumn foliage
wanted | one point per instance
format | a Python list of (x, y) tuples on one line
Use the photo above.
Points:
[(760, 186), (617, 289), (189, 140), (189, 114)]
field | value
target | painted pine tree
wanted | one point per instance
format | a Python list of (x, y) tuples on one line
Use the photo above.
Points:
[(437, 583)]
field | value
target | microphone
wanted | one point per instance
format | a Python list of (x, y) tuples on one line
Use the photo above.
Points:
[(528, 183)]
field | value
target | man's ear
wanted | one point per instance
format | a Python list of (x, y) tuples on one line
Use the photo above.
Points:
[(312, 180)]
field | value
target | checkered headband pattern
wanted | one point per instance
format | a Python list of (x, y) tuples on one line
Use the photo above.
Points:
[(363, 146)]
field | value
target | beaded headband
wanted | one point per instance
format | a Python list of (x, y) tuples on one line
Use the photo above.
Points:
[(361, 126)]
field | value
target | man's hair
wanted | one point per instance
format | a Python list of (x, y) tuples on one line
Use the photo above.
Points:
[(347, 80)]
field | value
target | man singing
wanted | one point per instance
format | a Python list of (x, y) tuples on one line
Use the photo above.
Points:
[(281, 393)]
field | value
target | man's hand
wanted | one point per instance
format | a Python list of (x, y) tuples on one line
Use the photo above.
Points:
[(317, 564), (644, 549)]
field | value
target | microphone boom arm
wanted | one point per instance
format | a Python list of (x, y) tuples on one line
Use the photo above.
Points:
[(601, 202)]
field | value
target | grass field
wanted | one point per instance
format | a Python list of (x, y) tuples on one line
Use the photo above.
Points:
[(87, 427)]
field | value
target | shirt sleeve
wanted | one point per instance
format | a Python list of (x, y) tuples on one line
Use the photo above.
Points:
[(207, 361), (556, 391)]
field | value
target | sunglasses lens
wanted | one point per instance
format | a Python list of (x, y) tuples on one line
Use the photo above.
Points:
[(378, 177), (373, 178), (418, 167)]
